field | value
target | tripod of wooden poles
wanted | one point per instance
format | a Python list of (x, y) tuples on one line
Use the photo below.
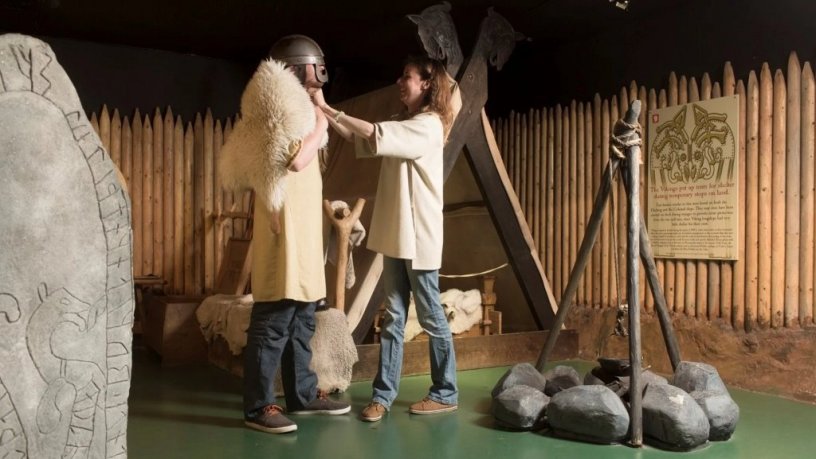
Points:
[(626, 150)]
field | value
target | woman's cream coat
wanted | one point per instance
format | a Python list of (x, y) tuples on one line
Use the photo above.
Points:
[(407, 220)]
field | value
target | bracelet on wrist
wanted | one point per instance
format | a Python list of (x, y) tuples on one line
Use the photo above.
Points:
[(338, 115)]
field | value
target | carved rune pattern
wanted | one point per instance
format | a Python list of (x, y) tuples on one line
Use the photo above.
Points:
[(83, 406), (702, 156)]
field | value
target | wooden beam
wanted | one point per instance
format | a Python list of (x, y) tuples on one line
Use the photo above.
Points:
[(485, 161)]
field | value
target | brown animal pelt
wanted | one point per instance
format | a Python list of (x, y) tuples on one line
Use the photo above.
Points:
[(275, 113)]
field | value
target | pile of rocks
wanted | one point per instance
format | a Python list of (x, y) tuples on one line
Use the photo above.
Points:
[(682, 415)]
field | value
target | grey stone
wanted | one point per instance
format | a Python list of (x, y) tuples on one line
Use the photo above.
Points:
[(522, 373), (591, 413), (649, 377), (696, 376), (620, 385), (615, 367), (66, 286), (591, 380), (672, 419), (520, 407), (722, 413), (559, 378)]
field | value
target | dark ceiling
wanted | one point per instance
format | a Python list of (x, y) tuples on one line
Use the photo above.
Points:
[(365, 41), (350, 31)]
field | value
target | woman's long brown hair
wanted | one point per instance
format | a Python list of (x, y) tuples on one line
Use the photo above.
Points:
[(438, 97)]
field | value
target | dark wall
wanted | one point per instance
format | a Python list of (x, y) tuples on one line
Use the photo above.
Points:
[(127, 78), (692, 38)]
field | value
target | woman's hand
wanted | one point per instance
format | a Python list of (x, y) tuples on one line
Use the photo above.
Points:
[(317, 99), (320, 118)]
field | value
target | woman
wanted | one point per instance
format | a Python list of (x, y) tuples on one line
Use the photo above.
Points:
[(406, 227)]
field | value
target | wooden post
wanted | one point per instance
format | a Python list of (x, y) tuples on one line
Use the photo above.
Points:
[(551, 205), (158, 195), (792, 190), (606, 289), (147, 196), (589, 190), (521, 187), (189, 240), (116, 141), (582, 171), (597, 164), (650, 296), (535, 147), (737, 319), (127, 166), (208, 223), (580, 203), (572, 191), (727, 268), (620, 216), (615, 271), (586, 246), (168, 131), (680, 265), (179, 214), (136, 194), (779, 264), (806, 271), (633, 291), (198, 205), (765, 195), (488, 304), (343, 222), (752, 180), (642, 97), (652, 276), (558, 220), (105, 129), (218, 194)]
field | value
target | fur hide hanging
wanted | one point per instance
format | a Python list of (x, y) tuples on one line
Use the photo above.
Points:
[(333, 351), (275, 112), (463, 309)]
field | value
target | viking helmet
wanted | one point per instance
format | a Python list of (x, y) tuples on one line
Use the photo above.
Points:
[(300, 50)]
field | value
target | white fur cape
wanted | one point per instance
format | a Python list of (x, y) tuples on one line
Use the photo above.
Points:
[(275, 112)]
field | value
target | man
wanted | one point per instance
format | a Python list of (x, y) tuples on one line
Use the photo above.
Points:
[(288, 276)]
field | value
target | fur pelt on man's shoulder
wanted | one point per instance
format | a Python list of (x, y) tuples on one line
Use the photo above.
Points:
[(275, 112)]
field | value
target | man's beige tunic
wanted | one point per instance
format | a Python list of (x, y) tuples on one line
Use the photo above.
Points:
[(290, 264)]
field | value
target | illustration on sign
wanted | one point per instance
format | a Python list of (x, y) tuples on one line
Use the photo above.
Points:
[(703, 156)]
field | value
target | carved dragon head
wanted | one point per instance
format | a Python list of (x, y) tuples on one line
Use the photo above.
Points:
[(500, 36), (438, 34)]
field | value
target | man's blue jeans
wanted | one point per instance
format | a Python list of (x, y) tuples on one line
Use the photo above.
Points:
[(279, 334), (399, 281)]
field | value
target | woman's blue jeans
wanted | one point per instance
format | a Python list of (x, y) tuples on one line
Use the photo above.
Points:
[(399, 280), (278, 336)]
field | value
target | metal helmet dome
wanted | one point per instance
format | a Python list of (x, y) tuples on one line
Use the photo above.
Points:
[(297, 50)]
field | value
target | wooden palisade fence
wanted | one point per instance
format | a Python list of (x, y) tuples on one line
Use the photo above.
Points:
[(554, 157), (175, 194)]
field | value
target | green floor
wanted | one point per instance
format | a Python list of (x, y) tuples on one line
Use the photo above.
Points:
[(195, 412)]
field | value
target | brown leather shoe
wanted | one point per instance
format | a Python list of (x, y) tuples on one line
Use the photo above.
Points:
[(373, 412), (428, 406)]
